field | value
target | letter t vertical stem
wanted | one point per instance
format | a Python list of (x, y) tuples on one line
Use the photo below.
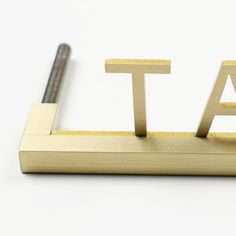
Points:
[(139, 104)]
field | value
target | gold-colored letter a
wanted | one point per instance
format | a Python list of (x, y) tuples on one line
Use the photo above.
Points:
[(214, 106)]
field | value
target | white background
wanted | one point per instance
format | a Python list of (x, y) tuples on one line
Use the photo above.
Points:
[(195, 35)]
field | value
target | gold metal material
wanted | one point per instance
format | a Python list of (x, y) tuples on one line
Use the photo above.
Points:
[(214, 107), (138, 68), (45, 150)]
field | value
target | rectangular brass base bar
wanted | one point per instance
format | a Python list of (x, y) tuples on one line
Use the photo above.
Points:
[(44, 150)]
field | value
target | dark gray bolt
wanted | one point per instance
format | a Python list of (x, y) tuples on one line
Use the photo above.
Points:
[(55, 80)]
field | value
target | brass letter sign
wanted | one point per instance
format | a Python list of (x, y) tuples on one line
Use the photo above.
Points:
[(45, 149)]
